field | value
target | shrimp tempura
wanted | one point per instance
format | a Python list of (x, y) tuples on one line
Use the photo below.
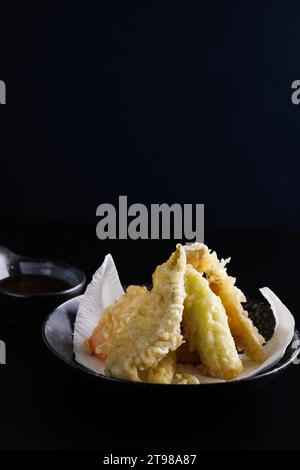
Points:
[(114, 320)]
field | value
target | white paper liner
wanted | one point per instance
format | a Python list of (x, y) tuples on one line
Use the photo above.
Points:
[(102, 291), (106, 287)]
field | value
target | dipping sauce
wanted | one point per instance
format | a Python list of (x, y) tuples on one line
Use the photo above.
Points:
[(33, 284)]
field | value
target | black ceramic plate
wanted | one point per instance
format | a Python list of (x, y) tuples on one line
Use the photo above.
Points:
[(58, 336)]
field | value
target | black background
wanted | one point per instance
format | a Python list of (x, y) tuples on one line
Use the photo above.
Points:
[(181, 102), (163, 102)]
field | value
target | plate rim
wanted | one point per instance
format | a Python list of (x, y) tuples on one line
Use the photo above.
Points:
[(273, 370)]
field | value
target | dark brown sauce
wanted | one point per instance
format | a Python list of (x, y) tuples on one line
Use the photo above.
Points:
[(33, 284)]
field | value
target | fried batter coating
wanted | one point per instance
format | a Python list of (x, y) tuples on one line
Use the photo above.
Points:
[(154, 329), (185, 379), (186, 374), (185, 355), (245, 334), (165, 371), (114, 320), (206, 324)]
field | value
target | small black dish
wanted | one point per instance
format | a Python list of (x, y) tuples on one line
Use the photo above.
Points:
[(58, 336), (27, 305)]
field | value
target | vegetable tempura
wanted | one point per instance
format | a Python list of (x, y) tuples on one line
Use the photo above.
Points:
[(154, 329), (246, 335), (191, 324), (206, 324)]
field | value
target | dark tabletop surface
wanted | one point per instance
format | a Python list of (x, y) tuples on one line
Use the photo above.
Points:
[(43, 407)]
